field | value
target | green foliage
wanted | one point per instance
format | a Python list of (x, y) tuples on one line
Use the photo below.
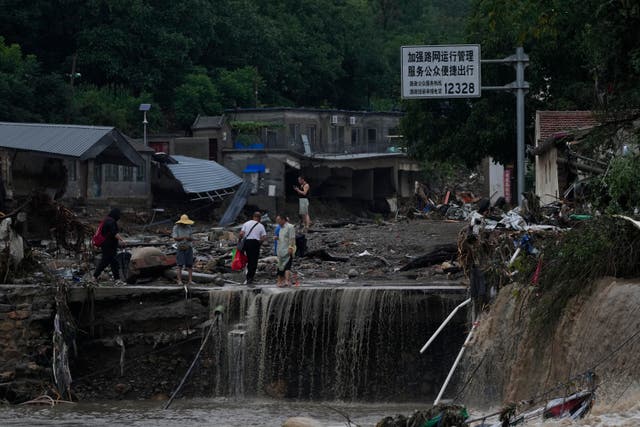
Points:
[(240, 87), (252, 127), (197, 95), (623, 184), (114, 106), (602, 247), (26, 94), (583, 55), (338, 54)]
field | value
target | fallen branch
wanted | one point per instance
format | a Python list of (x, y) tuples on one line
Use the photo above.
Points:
[(325, 256), (438, 255)]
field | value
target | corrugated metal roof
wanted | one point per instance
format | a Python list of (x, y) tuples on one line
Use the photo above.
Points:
[(65, 140), (201, 176)]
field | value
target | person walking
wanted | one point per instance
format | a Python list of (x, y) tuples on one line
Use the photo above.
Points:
[(286, 250), (112, 240), (254, 234), (303, 189), (182, 234)]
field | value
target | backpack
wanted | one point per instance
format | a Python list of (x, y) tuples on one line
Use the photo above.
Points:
[(98, 238)]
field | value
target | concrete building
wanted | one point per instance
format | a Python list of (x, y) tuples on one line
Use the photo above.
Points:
[(343, 154), (89, 164)]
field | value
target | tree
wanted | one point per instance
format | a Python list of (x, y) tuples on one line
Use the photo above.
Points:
[(114, 106), (26, 94), (583, 55), (240, 87), (197, 95)]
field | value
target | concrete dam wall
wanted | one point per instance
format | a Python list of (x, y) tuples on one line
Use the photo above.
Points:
[(325, 343)]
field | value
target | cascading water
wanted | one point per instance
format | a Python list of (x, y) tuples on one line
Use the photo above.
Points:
[(336, 343), (236, 352)]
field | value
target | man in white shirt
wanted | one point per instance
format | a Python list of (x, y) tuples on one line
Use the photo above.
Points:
[(254, 234)]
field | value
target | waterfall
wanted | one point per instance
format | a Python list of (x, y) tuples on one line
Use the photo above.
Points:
[(335, 343), (236, 352)]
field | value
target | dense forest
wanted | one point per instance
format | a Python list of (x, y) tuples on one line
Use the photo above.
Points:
[(95, 61)]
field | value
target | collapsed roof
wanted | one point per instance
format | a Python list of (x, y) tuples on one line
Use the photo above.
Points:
[(201, 179)]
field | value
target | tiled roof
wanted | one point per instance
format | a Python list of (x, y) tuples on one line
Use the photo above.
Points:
[(553, 122)]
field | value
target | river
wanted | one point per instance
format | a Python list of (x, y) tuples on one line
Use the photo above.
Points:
[(198, 412), (231, 413)]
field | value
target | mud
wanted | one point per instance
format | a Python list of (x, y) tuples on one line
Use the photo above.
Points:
[(589, 336)]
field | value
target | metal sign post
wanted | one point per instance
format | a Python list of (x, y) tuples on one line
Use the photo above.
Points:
[(519, 61), (453, 71)]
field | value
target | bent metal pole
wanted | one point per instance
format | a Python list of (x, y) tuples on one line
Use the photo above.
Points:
[(444, 323), (455, 365)]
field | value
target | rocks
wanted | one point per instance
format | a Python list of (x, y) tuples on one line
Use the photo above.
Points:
[(25, 341), (353, 273), (301, 422), (7, 376), (18, 314)]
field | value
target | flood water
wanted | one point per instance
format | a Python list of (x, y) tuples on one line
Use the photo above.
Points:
[(231, 413), (199, 412)]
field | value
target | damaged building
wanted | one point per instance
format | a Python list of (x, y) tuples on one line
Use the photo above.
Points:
[(351, 155), (87, 164), (178, 178), (557, 166)]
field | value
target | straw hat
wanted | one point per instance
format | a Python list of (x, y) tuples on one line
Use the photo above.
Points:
[(184, 219)]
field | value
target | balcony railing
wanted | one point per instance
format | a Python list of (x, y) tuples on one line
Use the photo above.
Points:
[(391, 145)]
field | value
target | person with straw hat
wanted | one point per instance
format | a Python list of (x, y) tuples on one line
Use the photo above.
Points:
[(182, 234)]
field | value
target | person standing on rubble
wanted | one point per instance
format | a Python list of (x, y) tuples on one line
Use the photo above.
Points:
[(303, 189), (182, 234), (112, 240), (254, 234), (286, 250)]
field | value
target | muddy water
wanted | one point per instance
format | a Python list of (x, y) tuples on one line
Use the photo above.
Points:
[(231, 413), (198, 412)]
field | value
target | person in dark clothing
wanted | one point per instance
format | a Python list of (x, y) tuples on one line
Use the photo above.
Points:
[(110, 245), (254, 234)]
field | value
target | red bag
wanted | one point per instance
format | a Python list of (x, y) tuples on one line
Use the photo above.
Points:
[(98, 239), (239, 261)]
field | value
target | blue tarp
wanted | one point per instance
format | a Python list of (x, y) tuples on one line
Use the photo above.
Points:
[(254, 169)]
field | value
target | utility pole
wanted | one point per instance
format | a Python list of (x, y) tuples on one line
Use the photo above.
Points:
[(519, 87)]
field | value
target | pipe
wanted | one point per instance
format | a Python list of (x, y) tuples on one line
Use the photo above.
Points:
[(455, 365), (444, 323), (217, 314)]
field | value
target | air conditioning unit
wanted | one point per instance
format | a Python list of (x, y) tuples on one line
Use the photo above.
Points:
[(334, 120), (352, 120)]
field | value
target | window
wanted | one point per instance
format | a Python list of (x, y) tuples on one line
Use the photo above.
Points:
[(371, 136), (140, 173), (111, 172), (311, 133), (294, 130), (355, 136), (127, 173), (272, 138)]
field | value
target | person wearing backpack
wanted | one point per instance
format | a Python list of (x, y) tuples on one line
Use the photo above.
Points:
[(111, 239)]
